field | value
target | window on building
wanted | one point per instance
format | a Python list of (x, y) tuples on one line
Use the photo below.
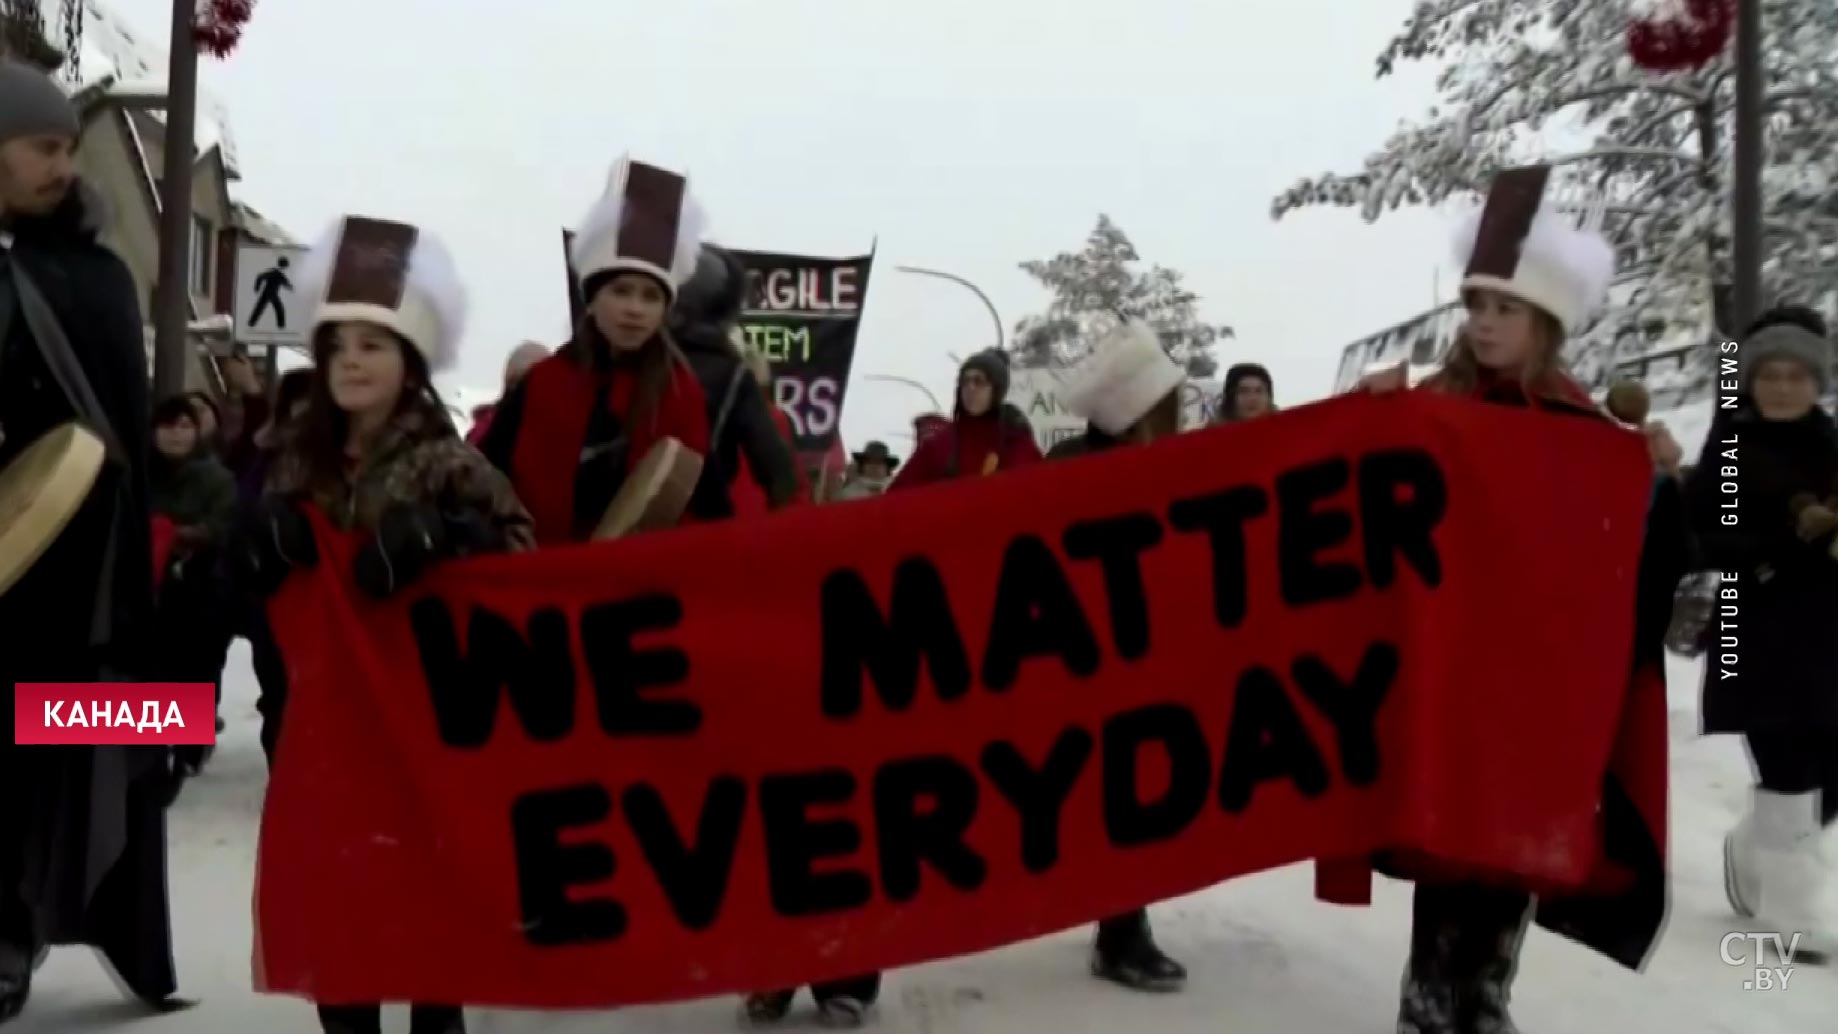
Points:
[(203, 253)]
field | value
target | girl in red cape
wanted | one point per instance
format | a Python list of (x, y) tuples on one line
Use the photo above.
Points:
[(375, 453), (572, 430), (1532, 279), (986, 434)]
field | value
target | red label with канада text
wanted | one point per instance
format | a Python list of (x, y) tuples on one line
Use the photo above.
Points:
[(114, 713)]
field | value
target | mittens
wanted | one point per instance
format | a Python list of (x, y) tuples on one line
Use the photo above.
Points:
[(273, 540), (1813, 520)]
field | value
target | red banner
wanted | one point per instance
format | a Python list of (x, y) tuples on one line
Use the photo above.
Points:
[(862, 736)]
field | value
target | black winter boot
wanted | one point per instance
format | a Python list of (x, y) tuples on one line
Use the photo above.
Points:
[(1490, 957), (1427, 1002), (351, 1019), (768, 1007), (436, 1019), (1126, 954), (14, 990), (19, 957)]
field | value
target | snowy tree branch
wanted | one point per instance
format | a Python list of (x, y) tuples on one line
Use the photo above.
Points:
[(1622, 89), (1630, 153)]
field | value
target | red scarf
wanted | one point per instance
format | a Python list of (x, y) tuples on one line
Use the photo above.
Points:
[(558, 402)]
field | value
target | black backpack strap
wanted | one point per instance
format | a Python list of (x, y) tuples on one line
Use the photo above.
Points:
[(45, 329), (727, 407)]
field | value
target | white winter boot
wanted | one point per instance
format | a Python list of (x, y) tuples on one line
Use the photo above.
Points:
[(1739, 879), (1791, 872)]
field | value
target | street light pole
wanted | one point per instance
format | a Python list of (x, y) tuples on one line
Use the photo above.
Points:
[(909, 382), (172, 306), (1746, 195), (994, 316)]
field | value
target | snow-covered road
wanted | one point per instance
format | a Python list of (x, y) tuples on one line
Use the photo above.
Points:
[(1264, 955)]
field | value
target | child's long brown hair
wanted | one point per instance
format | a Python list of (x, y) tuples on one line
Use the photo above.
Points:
[(1461, 371), (324, 429), (1161, 421), (652, 364)]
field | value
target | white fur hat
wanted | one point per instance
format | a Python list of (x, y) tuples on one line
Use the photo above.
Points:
[(1123, 378), (390, 274), (1519, 245), (646, 222)]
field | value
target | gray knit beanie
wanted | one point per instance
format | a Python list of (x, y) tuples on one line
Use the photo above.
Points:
[(1787, 341), (32, 104)]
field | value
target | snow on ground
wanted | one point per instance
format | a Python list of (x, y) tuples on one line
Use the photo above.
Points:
[(1264, 955)]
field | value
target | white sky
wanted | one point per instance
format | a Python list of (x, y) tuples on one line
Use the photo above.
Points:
[(966, 135)]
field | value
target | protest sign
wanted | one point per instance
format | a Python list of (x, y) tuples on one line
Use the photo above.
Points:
[(759, 754), (803, 314)]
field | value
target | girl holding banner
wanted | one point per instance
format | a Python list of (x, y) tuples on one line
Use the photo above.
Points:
[(376, 452), (1532, 278), (581, 422)]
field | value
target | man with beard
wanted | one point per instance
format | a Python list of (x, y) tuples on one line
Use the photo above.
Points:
[(82, 829)]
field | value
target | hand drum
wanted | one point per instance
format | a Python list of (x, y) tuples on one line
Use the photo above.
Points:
[(656, 492), (40, 491)]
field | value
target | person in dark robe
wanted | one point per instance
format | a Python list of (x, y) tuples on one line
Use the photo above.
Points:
[(744, 437), (82, 829)]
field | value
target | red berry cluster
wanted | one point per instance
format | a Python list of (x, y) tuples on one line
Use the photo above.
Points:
[(1683, 43), (220, 25)]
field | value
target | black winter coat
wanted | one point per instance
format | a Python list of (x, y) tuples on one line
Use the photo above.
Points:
[(1093, 440), (746, 430), (82, 829), (1781, 631), (198, 491), (95, 300)]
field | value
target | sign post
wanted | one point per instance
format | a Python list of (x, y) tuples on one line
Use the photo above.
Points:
[(269, 310)]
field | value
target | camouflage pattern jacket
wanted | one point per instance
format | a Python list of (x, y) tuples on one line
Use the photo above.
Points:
[(419, 459)]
